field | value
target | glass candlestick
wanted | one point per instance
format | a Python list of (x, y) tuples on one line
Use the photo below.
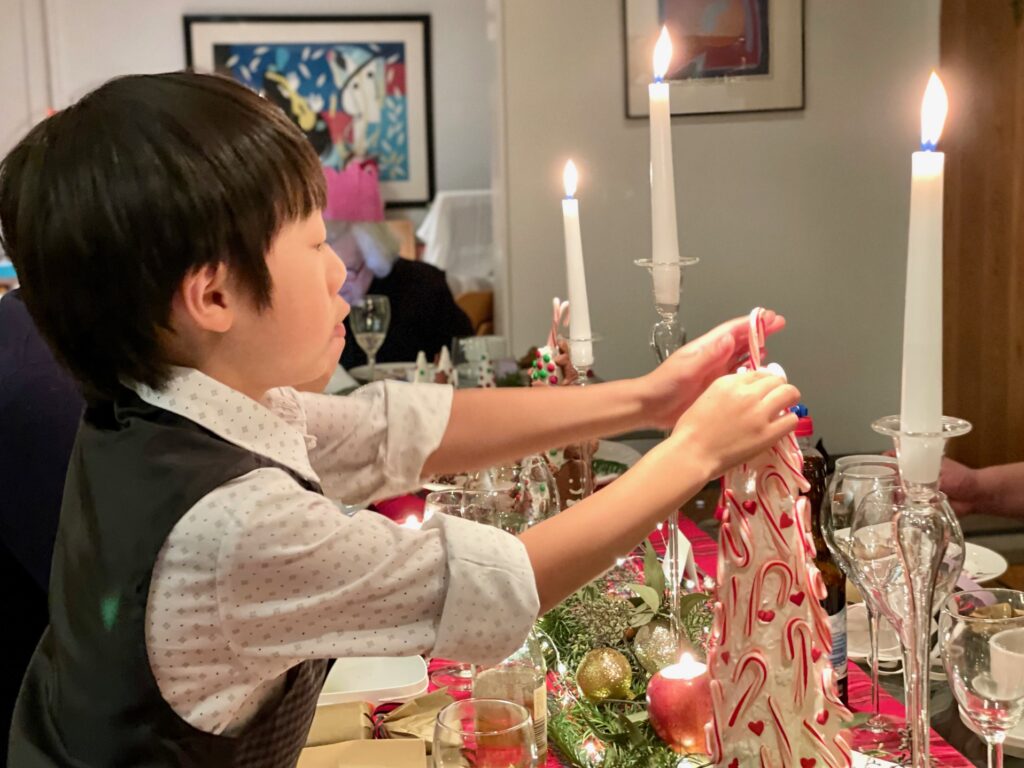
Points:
[(930, 548), (667, 335), (581, 451)]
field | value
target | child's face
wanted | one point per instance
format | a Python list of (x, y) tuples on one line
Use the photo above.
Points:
[(300, 335)]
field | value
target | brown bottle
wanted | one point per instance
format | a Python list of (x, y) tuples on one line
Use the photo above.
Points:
[(835, 581)]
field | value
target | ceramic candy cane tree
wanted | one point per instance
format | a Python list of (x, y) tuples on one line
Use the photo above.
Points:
[(772, 688)]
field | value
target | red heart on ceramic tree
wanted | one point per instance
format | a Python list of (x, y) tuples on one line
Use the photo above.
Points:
[(797, 599), (757, 726)]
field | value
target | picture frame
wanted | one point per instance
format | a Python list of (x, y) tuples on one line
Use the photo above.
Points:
[(728, 55), (359, 87)]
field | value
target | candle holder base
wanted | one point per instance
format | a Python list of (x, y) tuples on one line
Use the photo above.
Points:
[(667, 335)]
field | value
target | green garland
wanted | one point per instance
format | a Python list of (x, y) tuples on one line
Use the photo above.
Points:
[(613, 734)]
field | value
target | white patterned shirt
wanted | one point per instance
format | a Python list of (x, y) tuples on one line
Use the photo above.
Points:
[(262, 574)]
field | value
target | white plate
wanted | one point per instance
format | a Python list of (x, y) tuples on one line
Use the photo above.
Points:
[(339, 382), (857, 645), (398, 371), (1014, 744), (983, 564), (374, 679), (612, 451)]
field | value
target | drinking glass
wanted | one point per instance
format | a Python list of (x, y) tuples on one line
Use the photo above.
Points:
[(982, 637), (369, 321), (908, 552), (528, 488), (854, 478), (484, 733)]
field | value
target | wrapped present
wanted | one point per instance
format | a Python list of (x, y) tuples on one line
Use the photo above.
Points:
[(412, 720), (340, 722), (403, 753)]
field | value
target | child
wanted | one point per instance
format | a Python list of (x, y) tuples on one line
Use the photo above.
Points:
[(168, 234)]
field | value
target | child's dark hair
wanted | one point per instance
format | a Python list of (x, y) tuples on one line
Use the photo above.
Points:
[(107, 205)]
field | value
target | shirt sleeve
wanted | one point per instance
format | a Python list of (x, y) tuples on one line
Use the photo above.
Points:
[(297, 579), (373, 443)]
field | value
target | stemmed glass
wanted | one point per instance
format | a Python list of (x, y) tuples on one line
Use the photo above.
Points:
[(529, 489), (909, 551), (484, 733), (982, 636), (854, 478), (370, 320)]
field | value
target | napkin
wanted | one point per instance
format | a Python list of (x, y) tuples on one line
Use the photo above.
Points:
[(863, 761), (689, 569), (405, 753)]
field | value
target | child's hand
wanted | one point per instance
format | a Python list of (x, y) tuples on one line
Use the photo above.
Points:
[(738, 416), (674, 385)]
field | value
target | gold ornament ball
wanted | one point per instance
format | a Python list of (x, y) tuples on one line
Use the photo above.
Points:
[(604, 673), (655, 646)]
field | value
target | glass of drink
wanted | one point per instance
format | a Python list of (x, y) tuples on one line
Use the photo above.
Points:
[(370, 320), (982, 636), (484, 733)]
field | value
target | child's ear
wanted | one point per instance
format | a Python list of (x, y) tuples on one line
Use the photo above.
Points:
[(207, 297)]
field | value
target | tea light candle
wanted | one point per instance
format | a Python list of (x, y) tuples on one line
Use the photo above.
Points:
[(679, 704)]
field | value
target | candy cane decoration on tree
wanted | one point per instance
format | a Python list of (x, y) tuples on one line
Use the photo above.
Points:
[(772, 689)]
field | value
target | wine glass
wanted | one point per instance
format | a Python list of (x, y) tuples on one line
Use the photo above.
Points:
[(528, 488), (908, 551), (370, 320), (484, 733), (488, 507), (854, 478), (982, 636)]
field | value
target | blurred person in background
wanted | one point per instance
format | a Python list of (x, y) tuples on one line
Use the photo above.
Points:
[(424, 315)]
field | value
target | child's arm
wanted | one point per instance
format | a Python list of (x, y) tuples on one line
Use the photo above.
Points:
[(737, 417), (487, 427)]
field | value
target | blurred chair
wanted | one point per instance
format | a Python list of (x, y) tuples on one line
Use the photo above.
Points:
[(479, 308)]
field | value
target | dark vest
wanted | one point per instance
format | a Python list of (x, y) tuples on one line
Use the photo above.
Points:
[(89, 697)]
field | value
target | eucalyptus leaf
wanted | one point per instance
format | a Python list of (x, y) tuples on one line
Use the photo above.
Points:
[(638, 717), (688, 602), (640, 617), (654, 576), (635, 737), (857, 720), (650, 597)]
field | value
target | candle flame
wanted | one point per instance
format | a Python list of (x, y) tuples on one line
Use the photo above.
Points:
[(412, 523), (662, 54), (934, 107), (687, 669), (570, 176)]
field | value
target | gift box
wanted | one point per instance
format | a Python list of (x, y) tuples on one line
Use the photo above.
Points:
[(396, 753), (340, 722)]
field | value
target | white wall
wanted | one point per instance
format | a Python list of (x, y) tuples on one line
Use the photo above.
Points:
[(94, 40), (804, 212)]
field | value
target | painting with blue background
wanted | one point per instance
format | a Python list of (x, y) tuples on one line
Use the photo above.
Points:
[(349, 99)]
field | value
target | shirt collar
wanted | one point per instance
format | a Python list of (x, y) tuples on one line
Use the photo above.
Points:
[(232, 416)]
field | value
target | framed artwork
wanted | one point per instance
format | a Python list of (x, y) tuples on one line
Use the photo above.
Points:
[(727, 55), (357, 86)]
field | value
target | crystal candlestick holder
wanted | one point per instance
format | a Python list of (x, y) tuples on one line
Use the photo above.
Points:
[(927, 535), (581, 357), (667, 335)]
